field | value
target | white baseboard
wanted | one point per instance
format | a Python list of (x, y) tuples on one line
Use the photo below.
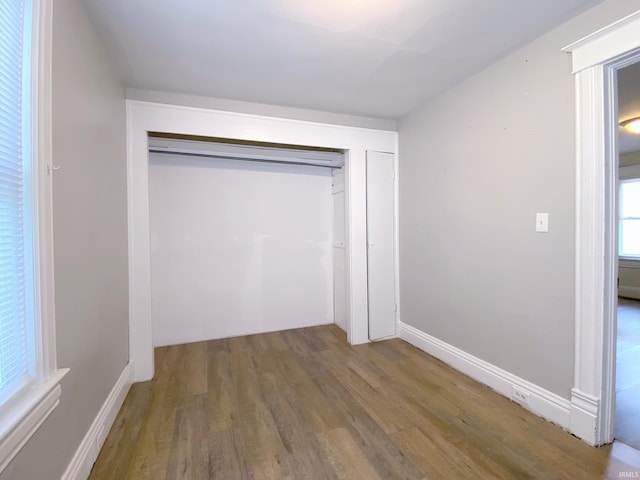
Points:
[(86, 454), (629, 292), (584, 416), (541, 401)]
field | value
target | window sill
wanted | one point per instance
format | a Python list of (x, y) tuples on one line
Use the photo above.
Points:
[(22, 419)]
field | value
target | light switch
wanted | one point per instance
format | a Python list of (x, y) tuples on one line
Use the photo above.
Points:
[(542, 222)]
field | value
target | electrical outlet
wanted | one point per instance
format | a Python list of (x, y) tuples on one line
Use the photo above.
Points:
[(542, 222), (519, 395)]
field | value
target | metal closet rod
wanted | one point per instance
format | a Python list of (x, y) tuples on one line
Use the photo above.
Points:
[(232, 157)]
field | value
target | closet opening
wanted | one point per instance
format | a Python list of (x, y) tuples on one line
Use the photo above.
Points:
[(245, 237), (280, 292)]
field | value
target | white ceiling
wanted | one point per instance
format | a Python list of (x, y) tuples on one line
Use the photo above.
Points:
[(628, 105), (378, 58)]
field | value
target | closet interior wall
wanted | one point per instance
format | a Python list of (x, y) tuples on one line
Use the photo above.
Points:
[(240, 247)]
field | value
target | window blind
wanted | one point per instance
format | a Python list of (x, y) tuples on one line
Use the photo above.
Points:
[(16, 287)]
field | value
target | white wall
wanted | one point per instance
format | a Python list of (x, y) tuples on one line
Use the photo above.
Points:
[(90, 240), (476, 164), (238, 248)]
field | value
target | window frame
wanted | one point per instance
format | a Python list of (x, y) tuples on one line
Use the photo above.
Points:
[(23, 414), (627, 174)]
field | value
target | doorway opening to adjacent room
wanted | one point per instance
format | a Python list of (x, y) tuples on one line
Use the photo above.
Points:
[(596, 60), (627, 384)]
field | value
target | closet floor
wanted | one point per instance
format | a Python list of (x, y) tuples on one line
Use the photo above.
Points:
[(303, 404)]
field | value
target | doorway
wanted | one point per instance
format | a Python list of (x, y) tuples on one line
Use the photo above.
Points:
[(627, 417), (145, 117), (596, 60), (240, 237)]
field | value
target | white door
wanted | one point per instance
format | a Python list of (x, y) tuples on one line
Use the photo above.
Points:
[(380, 251)]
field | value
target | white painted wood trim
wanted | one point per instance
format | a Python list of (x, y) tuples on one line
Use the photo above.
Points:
[(20, 421), (396, 228), (243, 126), (585, 409), (541, 401), (131, 237), (356, 247), (607, 43), (596, 60), (140, 335), (42, 150), (629, 292), (590, 245), (87, 453), (143, 117)]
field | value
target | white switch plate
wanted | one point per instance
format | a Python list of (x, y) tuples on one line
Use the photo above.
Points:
[(542, 222)]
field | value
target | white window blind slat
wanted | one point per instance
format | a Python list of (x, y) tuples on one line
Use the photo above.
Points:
[(15, 227)]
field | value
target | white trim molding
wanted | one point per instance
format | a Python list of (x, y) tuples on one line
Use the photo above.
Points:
[(584, 415), (541, 401), (605, 44), (25, 416), (43, 150), (596, 60), (87, 453), (593, 267), (145, 117), (356, 246)]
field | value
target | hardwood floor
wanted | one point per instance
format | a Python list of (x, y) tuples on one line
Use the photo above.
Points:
[(627, 427), (303, 404)]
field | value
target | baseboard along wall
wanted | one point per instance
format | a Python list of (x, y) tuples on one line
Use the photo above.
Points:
[(532, 397), (87, 453), (629, 292)]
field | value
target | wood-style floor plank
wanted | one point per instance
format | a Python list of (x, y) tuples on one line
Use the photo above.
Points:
[(303, 404)]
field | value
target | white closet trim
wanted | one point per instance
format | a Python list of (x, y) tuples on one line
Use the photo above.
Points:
[(144, 117)]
